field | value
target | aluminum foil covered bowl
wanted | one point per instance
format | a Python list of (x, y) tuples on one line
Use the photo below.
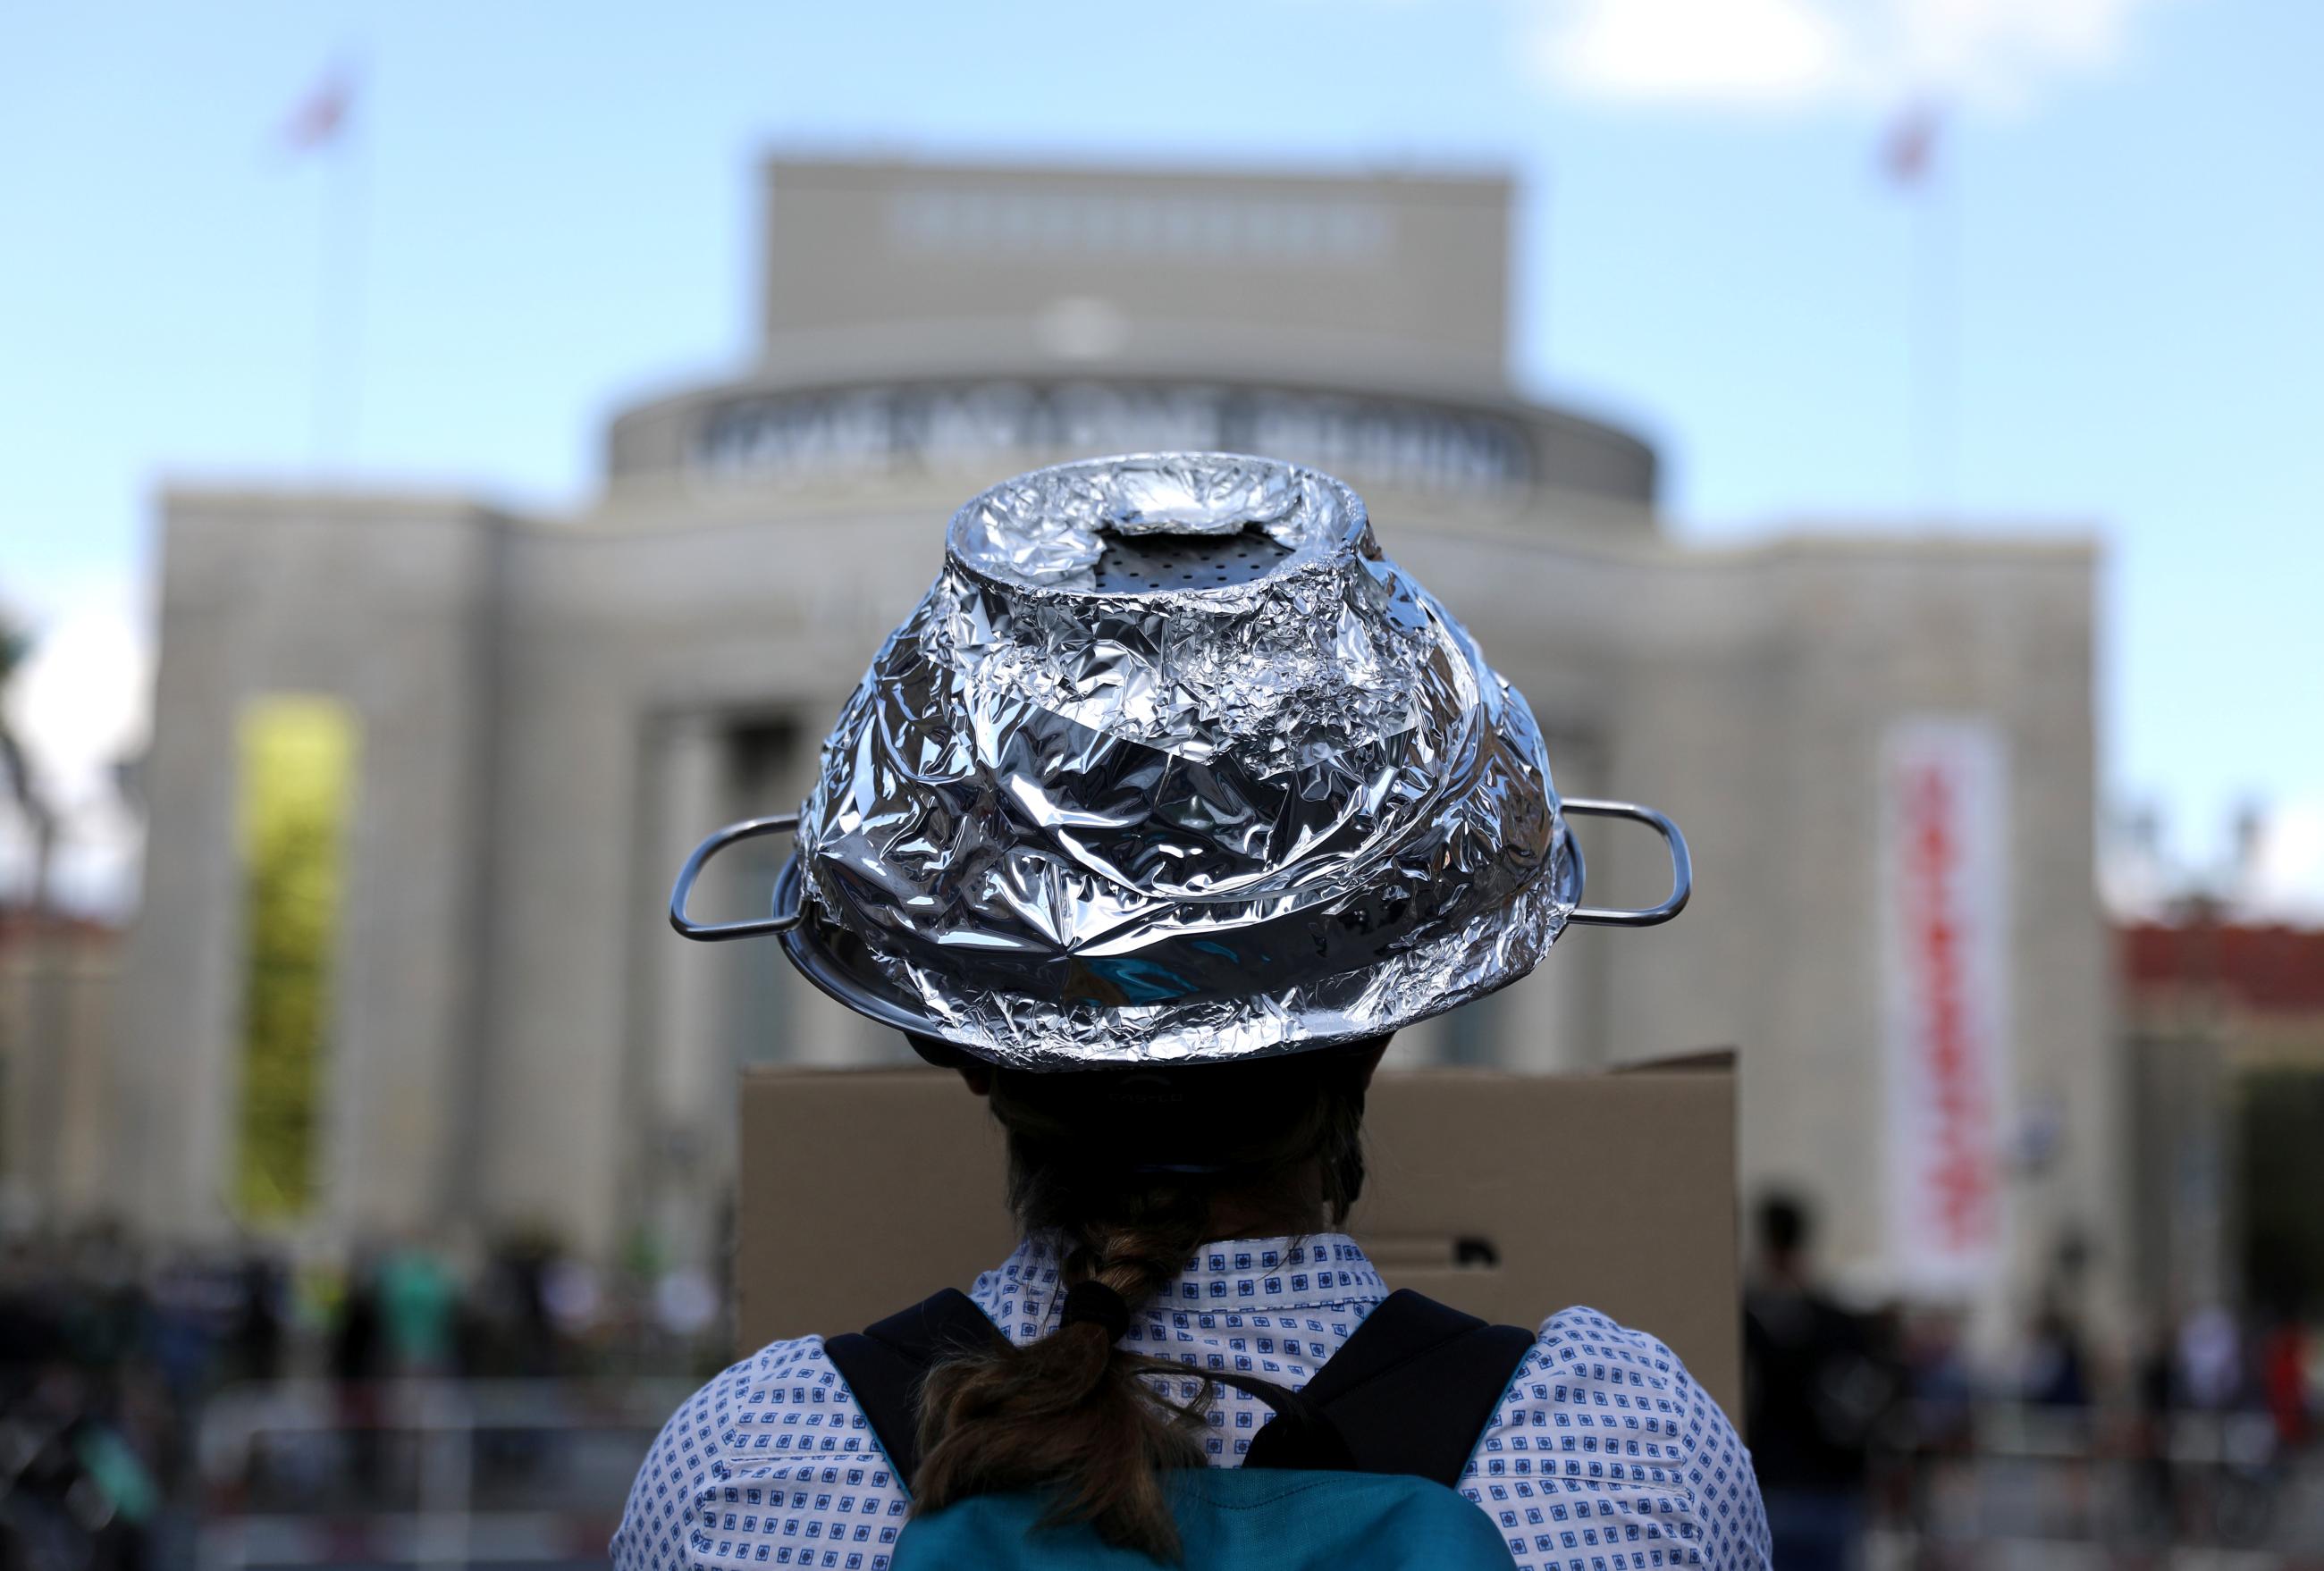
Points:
[(1172, 763)]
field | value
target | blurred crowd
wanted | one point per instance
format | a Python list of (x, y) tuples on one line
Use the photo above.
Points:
[(1886, 1423), (111, 1356), (1866, 1424)]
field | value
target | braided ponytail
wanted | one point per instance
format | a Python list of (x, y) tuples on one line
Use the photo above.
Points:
[(1126, 1168)]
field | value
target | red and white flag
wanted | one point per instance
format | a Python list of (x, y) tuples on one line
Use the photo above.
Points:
[(1911, 145), (322, 115)]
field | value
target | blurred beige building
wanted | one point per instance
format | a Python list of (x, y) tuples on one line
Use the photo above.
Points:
[(552, 710), (58, 983)]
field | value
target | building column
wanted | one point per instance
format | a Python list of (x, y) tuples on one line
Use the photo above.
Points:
[(683, 1137)]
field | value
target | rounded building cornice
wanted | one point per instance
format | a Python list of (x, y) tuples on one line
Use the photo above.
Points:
[(781, 429)]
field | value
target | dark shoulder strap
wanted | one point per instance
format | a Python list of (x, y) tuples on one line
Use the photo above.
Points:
[(1410, 1392), (884, 1364)]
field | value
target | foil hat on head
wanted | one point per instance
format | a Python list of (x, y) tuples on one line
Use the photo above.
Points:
[(1171, 764)]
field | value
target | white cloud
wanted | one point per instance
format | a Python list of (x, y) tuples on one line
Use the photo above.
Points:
[(1814, 54), (2286, 880), (81, 704), (1724, 52), (80, 701)]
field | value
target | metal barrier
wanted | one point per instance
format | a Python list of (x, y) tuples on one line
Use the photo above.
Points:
[(423, 1473), (534, 1473), (2053, 1487)]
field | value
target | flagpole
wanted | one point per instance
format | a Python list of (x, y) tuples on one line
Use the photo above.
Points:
[(1937, 346), (339, 288)]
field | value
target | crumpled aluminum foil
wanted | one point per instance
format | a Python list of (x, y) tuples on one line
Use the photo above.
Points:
[(1061, 824)]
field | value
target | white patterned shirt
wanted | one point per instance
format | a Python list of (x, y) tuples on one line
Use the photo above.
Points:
[(1604, 1454)]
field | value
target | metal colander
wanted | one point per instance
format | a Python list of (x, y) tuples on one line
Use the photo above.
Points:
[(1172, 763)]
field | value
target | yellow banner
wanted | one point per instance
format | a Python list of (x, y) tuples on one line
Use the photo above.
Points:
[(297, 799)]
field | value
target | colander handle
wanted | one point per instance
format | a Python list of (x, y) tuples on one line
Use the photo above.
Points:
[(711, 931), (1682, 866)]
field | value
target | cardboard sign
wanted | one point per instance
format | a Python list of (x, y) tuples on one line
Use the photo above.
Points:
[(1510, 1196)]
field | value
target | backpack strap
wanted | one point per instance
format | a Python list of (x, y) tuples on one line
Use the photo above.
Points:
[(1410, 1392), (884, 1366)]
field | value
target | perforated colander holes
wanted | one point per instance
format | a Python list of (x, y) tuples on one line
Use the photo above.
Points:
[(1130, 565)]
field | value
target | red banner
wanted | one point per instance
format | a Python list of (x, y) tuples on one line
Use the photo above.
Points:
[(1945, 912)]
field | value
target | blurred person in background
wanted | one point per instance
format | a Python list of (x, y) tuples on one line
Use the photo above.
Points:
[(511, 1334), (2220, 1414), (2208, 1374), (419, 1305), (256, 1346), (1816, 1391), (2155, 1383), (2284, 1378), (358, 1357), (1934, 1431), (2057, 1363)]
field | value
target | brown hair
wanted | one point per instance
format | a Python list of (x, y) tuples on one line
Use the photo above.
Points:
[(1126, 1167)]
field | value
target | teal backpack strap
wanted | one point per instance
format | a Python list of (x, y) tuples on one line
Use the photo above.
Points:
[(884, 1364), (1411, 1393)]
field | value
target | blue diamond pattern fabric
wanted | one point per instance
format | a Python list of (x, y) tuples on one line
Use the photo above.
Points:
[(1604, 1455)]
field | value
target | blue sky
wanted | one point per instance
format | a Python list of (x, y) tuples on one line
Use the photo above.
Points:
[(558, 205)]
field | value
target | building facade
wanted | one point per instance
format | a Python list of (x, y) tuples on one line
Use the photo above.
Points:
[(546, 712), (2223, 1045)]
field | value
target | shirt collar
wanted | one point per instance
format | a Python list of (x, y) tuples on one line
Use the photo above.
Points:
[(1235, 1275)]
